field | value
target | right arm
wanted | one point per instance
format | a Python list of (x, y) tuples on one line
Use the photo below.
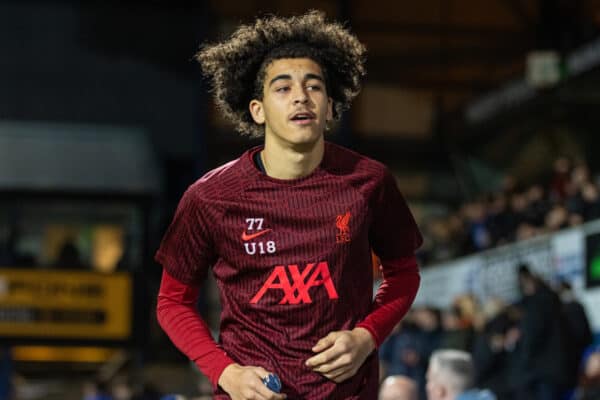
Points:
[(186, 252), (178, 317)]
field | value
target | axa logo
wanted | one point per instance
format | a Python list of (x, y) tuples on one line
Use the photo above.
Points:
[(342, 222), (295, 284)]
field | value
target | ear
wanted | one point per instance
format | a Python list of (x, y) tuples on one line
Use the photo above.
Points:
[(257, 111), (329, 109)]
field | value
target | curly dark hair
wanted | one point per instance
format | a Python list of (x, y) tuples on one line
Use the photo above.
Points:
[(237, 67)]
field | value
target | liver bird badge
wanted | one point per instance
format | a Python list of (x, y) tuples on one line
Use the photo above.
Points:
[(341, 222)]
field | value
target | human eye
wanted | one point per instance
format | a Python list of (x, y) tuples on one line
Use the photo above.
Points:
[(314, 87), (282, 89)]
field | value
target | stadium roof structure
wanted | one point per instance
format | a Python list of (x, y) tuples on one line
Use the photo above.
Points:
[(435, 59)]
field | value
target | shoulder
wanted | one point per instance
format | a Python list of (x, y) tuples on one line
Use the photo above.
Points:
[(354, 166), (219, 183)]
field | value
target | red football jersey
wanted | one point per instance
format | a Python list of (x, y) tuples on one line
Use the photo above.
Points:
[(292, 259)]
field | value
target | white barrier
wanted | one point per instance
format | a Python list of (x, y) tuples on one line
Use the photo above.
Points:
[(493, 273)]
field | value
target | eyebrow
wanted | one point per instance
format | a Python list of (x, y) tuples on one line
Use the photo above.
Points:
[(288, 77)]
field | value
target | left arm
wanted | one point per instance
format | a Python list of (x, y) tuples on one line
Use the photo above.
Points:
[(341, 353), (394, 237), (393, 298)]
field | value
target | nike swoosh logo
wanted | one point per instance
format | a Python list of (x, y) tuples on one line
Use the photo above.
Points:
[(246, 237)]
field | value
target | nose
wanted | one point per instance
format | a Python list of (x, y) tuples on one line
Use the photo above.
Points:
[(300, 96)]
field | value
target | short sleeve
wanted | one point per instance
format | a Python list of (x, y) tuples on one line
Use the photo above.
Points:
[(186, 250), (393, 233)]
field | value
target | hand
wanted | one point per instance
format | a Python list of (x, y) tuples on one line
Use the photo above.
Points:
[(341, 353), (245, 383)]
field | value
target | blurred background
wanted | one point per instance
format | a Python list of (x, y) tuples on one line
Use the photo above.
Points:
[(485, 110)]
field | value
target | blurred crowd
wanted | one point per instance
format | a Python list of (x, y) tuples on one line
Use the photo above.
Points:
[(122, 388), (538, 348), (567, 196)]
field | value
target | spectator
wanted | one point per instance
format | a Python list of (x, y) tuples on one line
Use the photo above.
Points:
[(489, 354), (537, 206), (402, 352), (429, 321), (457, 334), (450, 377), (458, 233), (477, 226), (577, 329), (560, 178), (398, 387), (500, 219), (580, 175), (538, 358), (591, 202), (526, 231), (516, 215), (441, 244), (557, 218)]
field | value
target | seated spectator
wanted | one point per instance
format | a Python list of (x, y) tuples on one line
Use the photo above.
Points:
[(402, 352), (580, 175), (456, 333), (557, 218), (477, 226), (450, 377), (537, 206), (398, 387), (516, 213), (441, 245), (526, 231), (500, 219), (560, 179), (591, 202)]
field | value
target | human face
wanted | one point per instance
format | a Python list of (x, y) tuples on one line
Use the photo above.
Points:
[(295, 107), (434, 389)]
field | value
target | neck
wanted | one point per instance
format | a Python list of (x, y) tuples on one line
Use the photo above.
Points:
[(291, 161)]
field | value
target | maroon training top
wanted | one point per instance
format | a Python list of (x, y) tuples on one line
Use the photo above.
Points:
[(292, 259)]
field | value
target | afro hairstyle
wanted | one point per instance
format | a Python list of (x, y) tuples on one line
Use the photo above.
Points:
[(236, 68)]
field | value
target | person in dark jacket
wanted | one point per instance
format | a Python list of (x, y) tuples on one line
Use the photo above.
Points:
[(490, 356), (538, 362), (577, 329)]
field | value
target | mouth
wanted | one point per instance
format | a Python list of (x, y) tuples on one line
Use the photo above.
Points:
[(303, 118)]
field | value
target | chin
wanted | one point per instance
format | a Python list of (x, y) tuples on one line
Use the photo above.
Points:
[(306, 138), (303, 144), (299, 136)]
